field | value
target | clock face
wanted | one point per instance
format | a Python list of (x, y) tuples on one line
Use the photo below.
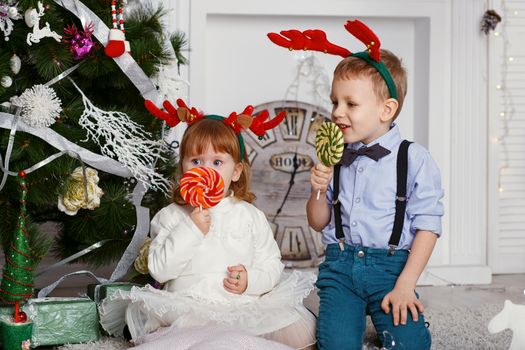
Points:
[(272, 159)]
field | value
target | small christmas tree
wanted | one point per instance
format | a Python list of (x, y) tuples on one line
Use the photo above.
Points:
[(17, 277)]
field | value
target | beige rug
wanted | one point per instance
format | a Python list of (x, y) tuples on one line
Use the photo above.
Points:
[(462, 328)]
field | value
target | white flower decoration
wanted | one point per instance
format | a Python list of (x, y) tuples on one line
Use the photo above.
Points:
[(8, 14), (40, 106)]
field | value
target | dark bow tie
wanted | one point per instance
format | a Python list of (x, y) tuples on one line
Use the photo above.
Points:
[(374, 152)]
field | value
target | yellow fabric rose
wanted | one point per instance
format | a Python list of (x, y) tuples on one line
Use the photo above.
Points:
[(141, 262), (74, 197)]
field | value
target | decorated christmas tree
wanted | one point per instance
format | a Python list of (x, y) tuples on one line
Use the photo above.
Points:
[(17, 276), (72, 116)]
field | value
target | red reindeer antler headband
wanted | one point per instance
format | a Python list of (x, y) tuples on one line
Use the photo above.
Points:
[(243, 121), (315, 40)]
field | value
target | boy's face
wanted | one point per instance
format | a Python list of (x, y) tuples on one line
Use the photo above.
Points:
[(357, 110), (222, 162)]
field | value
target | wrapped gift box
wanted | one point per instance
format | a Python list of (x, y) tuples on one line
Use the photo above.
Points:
[(99, 292), (63, 320)]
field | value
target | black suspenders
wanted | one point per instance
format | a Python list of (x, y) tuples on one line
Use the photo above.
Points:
[(401, 200), (339, 234), (401, 195)]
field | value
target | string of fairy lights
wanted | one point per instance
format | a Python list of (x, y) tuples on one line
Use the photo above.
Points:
[(508, 110), (507, 102)]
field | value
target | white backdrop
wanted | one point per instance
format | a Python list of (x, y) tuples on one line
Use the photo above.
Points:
[(233, 64)]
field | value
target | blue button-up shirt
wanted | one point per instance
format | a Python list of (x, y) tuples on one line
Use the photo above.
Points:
[(368, 191)]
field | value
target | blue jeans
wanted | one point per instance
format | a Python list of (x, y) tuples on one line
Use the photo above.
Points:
[(352, 284)]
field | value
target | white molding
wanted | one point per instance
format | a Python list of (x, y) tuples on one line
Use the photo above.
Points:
[(495, 45), (468, 187), (178, 19)]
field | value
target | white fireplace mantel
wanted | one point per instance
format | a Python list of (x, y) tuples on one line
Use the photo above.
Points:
[(231, 64)]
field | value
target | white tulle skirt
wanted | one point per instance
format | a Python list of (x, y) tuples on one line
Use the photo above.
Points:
[(277, 315)]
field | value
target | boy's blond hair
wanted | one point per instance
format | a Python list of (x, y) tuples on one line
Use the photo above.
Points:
[(357, 67)]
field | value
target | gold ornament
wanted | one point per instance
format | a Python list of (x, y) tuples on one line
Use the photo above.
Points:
[(141, 262)]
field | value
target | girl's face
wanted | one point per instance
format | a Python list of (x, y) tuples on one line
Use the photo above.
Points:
[(222, 162)]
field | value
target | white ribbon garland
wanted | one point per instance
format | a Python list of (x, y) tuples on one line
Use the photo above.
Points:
[(61, 143), (12, 127), (44, 292), (141, 231), (73, 257)]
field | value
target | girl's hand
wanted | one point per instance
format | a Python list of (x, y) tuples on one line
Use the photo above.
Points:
[(320, 177), (402, 300), (237, 280), (201, 219)]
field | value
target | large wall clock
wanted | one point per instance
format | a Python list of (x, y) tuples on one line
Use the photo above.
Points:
[(281, 163)]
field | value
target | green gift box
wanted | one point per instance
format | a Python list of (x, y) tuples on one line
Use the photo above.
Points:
[(99, 292), (62, 320)]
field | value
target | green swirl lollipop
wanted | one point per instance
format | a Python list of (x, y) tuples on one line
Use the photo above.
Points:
[(329, 144)]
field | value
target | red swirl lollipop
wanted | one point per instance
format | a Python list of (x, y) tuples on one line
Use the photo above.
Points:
[(202, 187)]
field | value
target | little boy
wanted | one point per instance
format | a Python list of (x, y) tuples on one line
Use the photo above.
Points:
[(382, 213)]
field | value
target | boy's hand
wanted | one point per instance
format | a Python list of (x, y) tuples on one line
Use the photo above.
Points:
[(202, 219), (320, 177), (402, 300), (237, 280)]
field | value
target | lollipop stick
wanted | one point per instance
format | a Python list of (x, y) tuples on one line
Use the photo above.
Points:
[(318, 193), (200, 207)]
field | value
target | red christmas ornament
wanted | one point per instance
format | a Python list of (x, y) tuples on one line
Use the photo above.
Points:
[(22, 317), (19, 316)]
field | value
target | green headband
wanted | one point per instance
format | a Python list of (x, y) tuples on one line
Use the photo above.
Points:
[(381, 68), (239, 136)]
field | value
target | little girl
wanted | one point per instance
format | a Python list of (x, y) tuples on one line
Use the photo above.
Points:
[(219, 265)]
